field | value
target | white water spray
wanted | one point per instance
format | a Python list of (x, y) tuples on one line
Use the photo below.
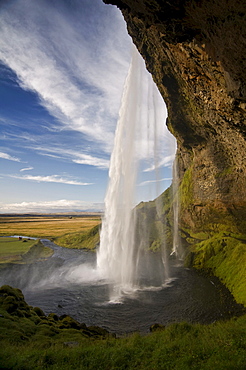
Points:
[(118, 256)]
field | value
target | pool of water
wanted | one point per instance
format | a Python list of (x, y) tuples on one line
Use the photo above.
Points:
[(68, 283)]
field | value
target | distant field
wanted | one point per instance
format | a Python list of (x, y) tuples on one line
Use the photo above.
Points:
[(49, 227)]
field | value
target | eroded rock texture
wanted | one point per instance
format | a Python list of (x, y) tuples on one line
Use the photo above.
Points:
[(195, 51)]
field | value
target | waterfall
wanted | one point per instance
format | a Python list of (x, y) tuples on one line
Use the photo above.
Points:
[(118, 258), (115, 256), (176, 250)]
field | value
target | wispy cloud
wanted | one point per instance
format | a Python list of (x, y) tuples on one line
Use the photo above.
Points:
[(91, 161), (51, 178), (154, 181), (165, 162), (72, 156), (77, 66), (9, 157), (78, 84), (26, 169), (61, 205)]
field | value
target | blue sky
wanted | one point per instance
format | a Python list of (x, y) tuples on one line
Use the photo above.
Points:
[(63, 64)]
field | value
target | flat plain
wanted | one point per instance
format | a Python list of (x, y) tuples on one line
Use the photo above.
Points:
[(47, 226)]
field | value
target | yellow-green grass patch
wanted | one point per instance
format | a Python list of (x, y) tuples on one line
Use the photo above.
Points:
[(12, 249), (46, 226)]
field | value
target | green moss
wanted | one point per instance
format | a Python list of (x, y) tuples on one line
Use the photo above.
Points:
[(225, 256), (186, 189), (227, 171)]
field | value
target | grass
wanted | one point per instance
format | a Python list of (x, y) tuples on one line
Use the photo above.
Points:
[(66, 231), (86, 240), (71, 232), (13, 250), (48, 227)]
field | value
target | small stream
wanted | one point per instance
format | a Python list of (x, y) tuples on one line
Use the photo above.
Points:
[(68, 283)]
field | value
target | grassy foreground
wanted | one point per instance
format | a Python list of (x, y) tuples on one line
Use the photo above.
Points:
[(31, 340)]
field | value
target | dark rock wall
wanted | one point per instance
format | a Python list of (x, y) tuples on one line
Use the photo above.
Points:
[(195, 51)]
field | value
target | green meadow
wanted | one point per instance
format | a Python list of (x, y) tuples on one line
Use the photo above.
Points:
[(13, 250)]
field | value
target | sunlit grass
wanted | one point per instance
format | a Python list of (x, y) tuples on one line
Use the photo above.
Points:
[(46, 227), (12, 249)]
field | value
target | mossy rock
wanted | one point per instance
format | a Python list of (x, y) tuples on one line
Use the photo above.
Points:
[(53, 316), (156, 327), (39, 312), (97, 331), (12, 301), (67, 322), (15, 292)]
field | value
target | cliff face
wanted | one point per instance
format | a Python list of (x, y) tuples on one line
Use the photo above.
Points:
[(195, 51)]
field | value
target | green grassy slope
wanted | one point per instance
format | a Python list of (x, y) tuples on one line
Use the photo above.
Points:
[(13, 250), (30, 340)]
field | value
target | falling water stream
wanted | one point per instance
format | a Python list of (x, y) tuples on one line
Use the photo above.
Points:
[(115, 257), (120, 259)]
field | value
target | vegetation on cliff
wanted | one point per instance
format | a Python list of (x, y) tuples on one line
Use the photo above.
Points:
[(225, 256), (32, 340), (87, 240)]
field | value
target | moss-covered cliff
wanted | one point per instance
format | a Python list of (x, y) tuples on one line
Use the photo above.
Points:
[(195, 53)]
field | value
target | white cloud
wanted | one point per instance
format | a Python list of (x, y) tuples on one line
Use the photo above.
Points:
[(91, 161), (78, 77), (165, 162), (72, 155), (26, 169), (51, 178), (154, 181), (61, 205), (9, 157)]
